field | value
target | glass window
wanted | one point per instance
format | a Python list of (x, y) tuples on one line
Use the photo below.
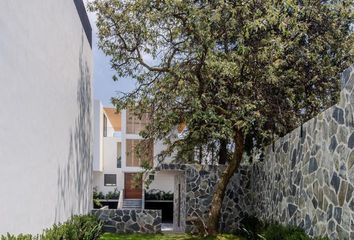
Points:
[(134, 124), (104, 125), (134, 156), (119, 162), (119, 155), (110, 179)]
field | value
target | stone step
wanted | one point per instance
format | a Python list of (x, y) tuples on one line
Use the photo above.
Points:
[(132, 203)]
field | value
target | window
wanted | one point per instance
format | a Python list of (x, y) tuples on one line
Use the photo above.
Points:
[(119, 162), (104, 125), (151, 177), (119, 156), (134, 124), (135, 159), (110, 179)]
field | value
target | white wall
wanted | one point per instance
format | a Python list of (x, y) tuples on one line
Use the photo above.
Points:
[(110, 129), (163, 181), (45, 115), (111, 150), (98, 136)]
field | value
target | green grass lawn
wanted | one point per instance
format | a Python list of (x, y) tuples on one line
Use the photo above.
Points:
[(110, 236)]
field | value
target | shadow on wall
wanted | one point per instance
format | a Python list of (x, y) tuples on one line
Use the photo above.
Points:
[(74, 176)]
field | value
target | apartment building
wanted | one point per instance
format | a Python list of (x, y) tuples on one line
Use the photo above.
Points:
[(115, 157)]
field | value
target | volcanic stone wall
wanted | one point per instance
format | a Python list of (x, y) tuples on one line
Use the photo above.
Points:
[(198, 185), (309, 180), (129, 220)]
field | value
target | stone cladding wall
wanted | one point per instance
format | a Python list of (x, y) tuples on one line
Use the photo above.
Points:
[(309, 180), (129, 220), (199, 182)]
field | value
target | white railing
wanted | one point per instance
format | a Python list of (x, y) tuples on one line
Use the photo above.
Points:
[(121, 199), (143, 200)]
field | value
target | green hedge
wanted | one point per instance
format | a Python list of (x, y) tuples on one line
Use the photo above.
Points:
[(155, 194), (85, 227)]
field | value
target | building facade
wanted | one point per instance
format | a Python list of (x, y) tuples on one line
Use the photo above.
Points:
[(45, 113), (115, 155)]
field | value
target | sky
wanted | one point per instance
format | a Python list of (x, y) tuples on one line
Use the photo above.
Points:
[(104, 88)]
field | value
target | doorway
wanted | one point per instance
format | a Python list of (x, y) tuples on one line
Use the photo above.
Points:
[(133, 187)]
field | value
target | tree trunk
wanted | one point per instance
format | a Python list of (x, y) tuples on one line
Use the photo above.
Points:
[(218, 196), (223, 151)]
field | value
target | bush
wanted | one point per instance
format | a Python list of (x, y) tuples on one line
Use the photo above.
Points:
[(113, 195), (19, 237), (85, 227), (96, 194), (279, 232), (110, 195), (254, 229), (250, 227), (155, 194)]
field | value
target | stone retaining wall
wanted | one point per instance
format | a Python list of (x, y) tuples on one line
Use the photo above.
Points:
[(129, 220)]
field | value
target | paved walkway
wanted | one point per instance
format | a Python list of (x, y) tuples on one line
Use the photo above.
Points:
[(167, 227)]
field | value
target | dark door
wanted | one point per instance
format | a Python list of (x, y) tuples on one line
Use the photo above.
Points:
[(132, 186)]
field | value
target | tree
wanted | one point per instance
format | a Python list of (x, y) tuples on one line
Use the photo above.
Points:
[(241, 72)]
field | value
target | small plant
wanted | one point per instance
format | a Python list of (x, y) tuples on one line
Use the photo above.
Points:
[(86, 227), (77, 228), (280, 232), (155, 194), (19, 237), (96, 194), (112, 195), (252, 228)]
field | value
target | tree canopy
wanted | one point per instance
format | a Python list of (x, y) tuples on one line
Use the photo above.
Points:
[(244, 71)]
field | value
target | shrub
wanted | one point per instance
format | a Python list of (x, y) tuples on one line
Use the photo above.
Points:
[(113, 195), (96, 194), (110, 195), (19, 237), (280, 232), (253, 229), (155, 194), (85, 227), (77, 228), (250, 227)]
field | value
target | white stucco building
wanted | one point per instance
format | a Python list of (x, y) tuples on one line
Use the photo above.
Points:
[(45, 113), (115, 160)]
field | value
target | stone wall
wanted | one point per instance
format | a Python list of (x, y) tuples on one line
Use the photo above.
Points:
[(308, 181), (129, 220), (197, 188)]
